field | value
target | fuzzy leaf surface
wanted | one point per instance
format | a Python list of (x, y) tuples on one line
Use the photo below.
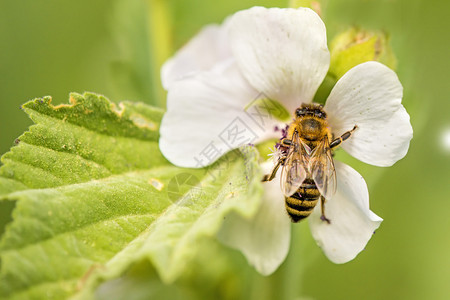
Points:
[(89, 194)]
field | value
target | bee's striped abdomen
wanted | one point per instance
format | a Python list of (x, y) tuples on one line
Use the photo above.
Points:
[(301, 204)]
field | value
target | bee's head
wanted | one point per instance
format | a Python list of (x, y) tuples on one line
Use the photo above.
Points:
[(312, 109)]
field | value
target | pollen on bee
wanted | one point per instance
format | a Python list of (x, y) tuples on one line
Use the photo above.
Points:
[(275, 154), (156, 184)]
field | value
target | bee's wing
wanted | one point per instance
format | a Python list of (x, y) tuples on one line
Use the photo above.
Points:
[(322, 169), (293, 172)]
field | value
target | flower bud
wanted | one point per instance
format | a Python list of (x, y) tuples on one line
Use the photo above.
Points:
[(314, 5), (355, 46)]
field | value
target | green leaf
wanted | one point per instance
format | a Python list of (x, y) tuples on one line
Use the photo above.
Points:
[(93, 195), (217, 272)]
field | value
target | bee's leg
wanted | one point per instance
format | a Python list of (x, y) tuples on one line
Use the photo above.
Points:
[(337, 141), (322, 206), (286, 142), (269, 177)]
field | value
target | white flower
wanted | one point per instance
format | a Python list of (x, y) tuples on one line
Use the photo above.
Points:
[(283, 54)]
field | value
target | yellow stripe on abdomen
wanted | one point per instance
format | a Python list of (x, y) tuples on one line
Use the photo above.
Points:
[(299, 209)]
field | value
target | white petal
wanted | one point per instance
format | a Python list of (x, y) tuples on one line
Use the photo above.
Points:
[(282, 52), (369, 95), (208, 47), (352, 222), (205, 117), (264, 240)]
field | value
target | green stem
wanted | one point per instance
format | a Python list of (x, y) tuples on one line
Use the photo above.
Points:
[(293, 268), (160, 37)]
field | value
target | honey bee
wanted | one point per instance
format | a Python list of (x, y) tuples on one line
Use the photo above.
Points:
[(306, 156)]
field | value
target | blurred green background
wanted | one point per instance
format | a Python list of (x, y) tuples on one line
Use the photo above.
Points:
[(56, 47)]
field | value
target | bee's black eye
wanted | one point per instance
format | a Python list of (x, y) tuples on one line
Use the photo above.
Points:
[(300, 112), (319, 113)]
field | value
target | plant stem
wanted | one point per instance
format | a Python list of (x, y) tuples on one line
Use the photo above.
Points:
[(160, 37)]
